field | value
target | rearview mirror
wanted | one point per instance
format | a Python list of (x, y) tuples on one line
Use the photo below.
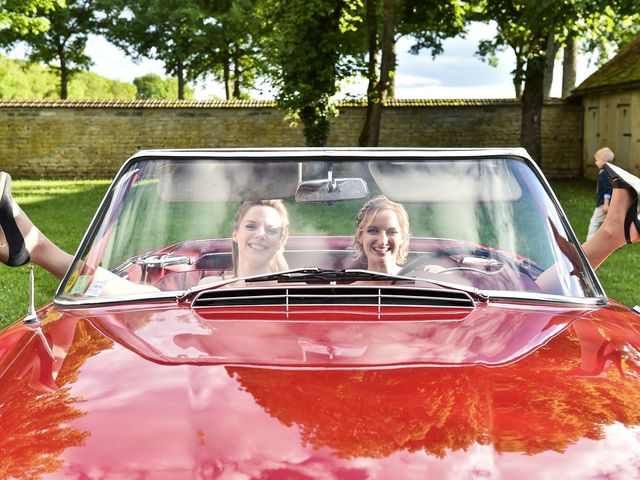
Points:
[(332, 190)]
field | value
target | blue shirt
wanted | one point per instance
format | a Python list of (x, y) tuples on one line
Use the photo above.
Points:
[(603, 188)]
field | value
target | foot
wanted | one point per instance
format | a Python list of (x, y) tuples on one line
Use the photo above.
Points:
[(613, 225), (621, 179), (13, 251), (611, 235)]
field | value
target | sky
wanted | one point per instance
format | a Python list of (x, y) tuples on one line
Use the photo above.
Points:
[(458, 73)]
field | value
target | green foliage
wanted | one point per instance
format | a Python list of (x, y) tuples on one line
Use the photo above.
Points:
[(62, 45), (302, 44), (26, 16), (152, 86), (171, 31), (23, 80), (607, 32), (430, 23), (91, 86), (229, 51), (523, 26), (528, 28)]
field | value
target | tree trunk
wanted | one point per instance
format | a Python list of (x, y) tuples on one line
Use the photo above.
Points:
[(181, 81), (518, 74), (388, 31), (237, 73), (64, 79), (64, 71), (552, 49), (569, 65), (372, 68), (391, 91), (532, 101), (226, 74)]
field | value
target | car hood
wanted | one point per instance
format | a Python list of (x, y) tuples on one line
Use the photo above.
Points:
[(553, 393)]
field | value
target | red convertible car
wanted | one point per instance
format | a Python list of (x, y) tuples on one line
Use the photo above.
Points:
[(325, 314)]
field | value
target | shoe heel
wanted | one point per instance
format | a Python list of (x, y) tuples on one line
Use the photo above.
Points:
[(18, 253)]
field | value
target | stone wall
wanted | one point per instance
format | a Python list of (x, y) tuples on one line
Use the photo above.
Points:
[(66, 139)]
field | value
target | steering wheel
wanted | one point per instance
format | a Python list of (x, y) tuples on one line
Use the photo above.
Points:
[(429, 257), (477, 252)]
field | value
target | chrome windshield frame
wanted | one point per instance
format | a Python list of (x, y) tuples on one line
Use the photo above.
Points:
[(335, 155)]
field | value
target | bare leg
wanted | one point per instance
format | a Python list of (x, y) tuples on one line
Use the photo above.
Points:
[(52, 258), (43, 251), (610, 236), (606, 240)]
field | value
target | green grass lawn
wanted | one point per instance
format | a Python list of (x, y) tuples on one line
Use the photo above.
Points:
[(63, 210)]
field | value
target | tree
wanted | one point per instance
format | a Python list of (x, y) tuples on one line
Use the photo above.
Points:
[(378, 85), (428, 23), (531, 406), (608, 31), (302, 43), (526, 27), (569, 64), (172, 31), (90, 85), (602, 35), (152, 86), (230, 52), (52, 406), (22, 80), (62, 45), (26, 16)]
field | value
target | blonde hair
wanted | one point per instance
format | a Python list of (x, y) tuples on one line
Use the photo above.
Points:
[(365, 217), (605, 153), (278, 263)]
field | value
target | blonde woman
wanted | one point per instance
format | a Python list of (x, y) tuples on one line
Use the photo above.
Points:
[(259, 233), (382, 235)]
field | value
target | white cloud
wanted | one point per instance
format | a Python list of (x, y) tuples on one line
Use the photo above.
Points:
[(111, 62)]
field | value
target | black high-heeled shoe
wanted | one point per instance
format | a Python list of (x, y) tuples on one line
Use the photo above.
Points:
[(622, 179), (18, 253)]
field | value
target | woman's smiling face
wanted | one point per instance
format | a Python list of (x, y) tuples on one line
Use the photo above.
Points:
[(259, 237), (381, 240)]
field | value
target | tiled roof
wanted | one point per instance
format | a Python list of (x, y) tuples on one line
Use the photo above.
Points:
[(621, 72), (138, 103), (240, 103), (438, 102)]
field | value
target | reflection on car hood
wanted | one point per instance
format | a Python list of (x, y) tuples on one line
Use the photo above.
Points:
[(336, 336), (115, 395)]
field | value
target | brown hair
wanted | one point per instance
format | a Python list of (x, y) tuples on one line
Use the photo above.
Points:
[(365, 217), (278, 262)]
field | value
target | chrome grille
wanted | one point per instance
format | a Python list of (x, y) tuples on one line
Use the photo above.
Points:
[(334, 295)]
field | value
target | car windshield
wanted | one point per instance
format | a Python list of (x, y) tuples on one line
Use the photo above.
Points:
[(170, 223)]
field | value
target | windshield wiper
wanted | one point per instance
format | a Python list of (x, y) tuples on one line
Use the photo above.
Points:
[(321, 275)]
